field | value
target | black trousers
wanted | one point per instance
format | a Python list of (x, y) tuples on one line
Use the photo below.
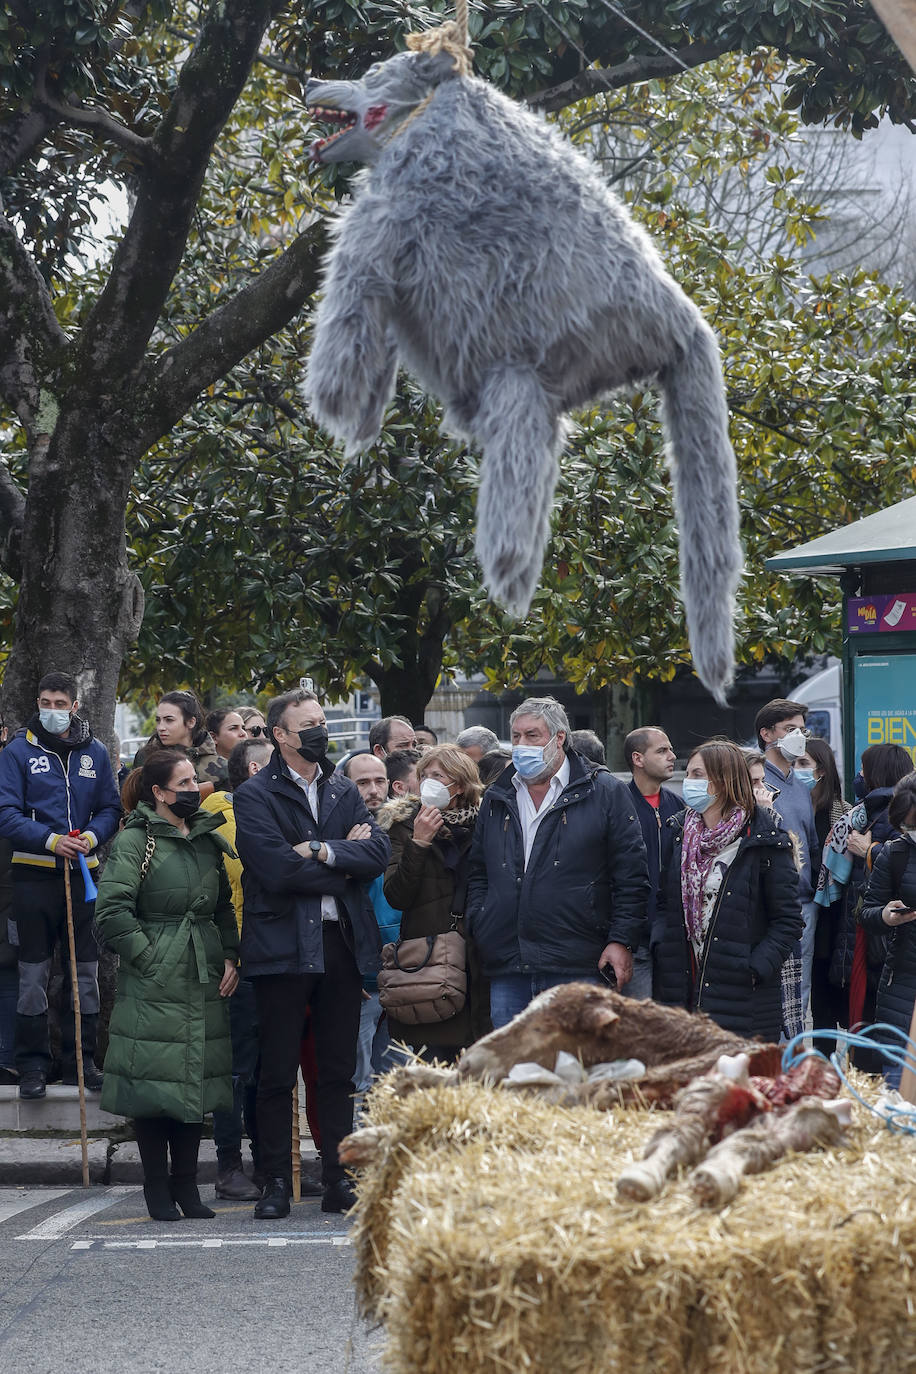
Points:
[(37, 923), (334, 999)]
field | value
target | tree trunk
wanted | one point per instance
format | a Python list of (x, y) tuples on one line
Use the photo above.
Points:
[(404, 692), (80, 607)]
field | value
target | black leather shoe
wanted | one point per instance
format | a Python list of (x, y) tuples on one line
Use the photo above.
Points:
[(274, 1201), (32, 1083), (339, 1196), (92, 1078)]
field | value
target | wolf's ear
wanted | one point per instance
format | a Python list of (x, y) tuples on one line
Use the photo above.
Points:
[(434, 68)]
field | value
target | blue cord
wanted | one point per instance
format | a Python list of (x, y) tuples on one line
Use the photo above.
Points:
[(896, 1118)]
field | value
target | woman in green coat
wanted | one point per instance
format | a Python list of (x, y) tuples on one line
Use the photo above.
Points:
[(165, 908)]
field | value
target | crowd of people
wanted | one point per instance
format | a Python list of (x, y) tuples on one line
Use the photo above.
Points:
[(252, 886)]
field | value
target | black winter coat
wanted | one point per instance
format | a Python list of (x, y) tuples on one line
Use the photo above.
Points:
[(586, 883), (753, 928), (897, 985), (281, 925), (657, 835)]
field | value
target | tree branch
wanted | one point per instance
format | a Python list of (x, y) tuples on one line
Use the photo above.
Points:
[(256, 312), (12, 519), (20, 136), (594, 80), (31, 340), (95, 119), (123, 319)]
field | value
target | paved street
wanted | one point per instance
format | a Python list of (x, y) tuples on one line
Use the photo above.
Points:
[(88, 1282)]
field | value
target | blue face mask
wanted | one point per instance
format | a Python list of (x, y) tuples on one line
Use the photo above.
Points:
[(806, 777), (697, 794), (532, 760)]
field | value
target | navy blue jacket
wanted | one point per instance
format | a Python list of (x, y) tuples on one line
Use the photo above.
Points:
[(756, 921), (897, 985), (586, 883), (281, 922), (657, 836), (50, 786)]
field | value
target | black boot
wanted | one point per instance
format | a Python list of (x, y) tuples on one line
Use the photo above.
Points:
[(152, 1142), (184, 1143)]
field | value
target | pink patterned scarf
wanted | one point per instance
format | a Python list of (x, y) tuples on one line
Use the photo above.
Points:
[(701, 846)]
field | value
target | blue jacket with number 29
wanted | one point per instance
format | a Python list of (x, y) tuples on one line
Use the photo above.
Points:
[(51, 785)]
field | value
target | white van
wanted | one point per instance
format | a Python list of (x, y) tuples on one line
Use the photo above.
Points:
[(823, 695)]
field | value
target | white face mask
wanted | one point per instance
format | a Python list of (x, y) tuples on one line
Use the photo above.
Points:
[(434, 793), (792, 745)]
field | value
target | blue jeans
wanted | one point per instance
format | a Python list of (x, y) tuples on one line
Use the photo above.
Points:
[(510, 993), (228, 1125), (372, 1046), (640, 985), (810, 913)]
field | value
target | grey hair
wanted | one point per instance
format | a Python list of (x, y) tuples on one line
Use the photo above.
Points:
[(478, 737), (548, 709)]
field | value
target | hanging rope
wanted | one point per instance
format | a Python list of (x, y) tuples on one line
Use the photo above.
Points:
[(450, 37)]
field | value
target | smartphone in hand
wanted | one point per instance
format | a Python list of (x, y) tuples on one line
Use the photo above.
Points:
[(608, 974)]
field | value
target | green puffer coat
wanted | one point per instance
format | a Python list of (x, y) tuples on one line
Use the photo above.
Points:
[(169, 1051)]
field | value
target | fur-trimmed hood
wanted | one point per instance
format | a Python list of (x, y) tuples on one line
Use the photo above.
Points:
[(397, 809)]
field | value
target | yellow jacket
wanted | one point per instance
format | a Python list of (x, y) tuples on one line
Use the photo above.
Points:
[(222, 801)]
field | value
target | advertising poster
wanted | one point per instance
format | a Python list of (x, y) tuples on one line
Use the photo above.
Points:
[(881, 614), (885, 697)]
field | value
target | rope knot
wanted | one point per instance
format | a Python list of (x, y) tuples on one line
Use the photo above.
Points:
[(448, 38)]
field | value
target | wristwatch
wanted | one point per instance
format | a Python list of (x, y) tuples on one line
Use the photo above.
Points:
[(315, 848)]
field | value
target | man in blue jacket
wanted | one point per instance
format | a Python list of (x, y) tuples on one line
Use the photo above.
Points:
[(54, 779), (308, 845), (558, 882), (651, 759)]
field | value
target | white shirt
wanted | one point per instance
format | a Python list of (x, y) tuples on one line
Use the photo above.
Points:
[(531, 817), (328, 903)]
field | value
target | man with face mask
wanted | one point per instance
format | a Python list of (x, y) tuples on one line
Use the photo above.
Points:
[(558, 878), (782, 735), (55, 779), (308, 845)]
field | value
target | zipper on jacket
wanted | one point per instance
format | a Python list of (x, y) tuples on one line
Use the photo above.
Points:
[(713, 922)]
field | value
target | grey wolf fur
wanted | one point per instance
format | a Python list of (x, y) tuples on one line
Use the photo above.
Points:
[(485, 254)]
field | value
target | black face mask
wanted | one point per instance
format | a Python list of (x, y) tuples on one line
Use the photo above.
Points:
[(185, 804), (313, 743)]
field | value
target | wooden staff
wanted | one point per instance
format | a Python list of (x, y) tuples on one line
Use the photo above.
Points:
[(77, 1025), (296, 1156), (908, 1077)]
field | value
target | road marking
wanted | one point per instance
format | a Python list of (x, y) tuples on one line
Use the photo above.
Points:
[(64, 1221), (209, 1243), (221, 1211), (16, 1200)]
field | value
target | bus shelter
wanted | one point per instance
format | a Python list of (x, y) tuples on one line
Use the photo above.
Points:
[(875, 562)]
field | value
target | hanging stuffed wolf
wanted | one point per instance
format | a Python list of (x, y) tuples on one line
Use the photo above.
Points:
[(484, 254)]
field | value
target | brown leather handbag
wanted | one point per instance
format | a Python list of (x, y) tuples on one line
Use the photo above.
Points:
[(424, 980)]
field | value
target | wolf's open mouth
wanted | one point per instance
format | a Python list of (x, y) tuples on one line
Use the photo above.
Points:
[(343, 117)]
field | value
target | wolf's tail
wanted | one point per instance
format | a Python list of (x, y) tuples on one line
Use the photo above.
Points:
[(706, 503)]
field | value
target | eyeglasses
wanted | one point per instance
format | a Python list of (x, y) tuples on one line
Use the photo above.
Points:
[(255, 731), (802, 730)]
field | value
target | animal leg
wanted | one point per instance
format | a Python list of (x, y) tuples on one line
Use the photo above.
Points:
[(352, 366), (752, 1150), (521, 439), (706, 502)]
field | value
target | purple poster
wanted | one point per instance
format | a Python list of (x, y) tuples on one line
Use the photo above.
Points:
[(873, 614)]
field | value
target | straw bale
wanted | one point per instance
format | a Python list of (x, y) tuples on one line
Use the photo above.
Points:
[(489, 1237)]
